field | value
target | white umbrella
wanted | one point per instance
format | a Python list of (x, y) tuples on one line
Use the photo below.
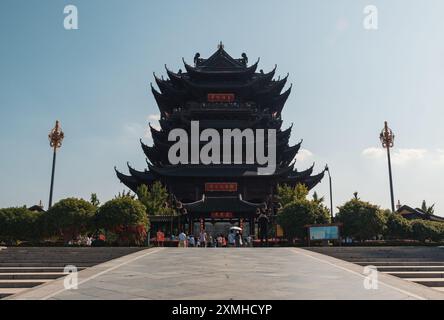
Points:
[(236, 228)]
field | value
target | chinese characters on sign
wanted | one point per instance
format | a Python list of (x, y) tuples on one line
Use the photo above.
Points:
[(221, 215), (220, 97), (221, 186)]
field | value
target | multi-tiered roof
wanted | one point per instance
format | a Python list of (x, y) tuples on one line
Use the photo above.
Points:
[(222, 93)]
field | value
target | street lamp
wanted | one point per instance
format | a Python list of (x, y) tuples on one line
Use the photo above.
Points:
[(331, 192), (387, 139), (55, 137)]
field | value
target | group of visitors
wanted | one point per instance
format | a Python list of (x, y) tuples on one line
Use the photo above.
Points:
[(205, 240), (89, 240)]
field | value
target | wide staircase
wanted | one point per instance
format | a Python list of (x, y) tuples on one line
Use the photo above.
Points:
[(24, 268), (422, 265)]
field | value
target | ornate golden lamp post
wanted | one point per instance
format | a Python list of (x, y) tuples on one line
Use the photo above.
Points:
[(55, 141), (387, 139)]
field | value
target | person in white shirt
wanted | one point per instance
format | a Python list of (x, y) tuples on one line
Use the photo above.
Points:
[(182, 240), (203, 239)]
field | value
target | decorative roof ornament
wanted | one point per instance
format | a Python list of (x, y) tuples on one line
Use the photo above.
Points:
[(245, 57), (387, 137), (196, 58), (56, 136), (220, 46)]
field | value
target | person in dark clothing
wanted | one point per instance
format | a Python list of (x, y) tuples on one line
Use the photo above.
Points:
[(263, 228)]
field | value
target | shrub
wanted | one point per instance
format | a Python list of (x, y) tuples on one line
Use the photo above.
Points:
[(126, 218), (361, 220), (19, 224), (423, 230), (296, 215), (397, 226), (70, 218)]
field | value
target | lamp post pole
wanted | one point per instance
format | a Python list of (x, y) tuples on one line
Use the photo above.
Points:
[(387, 139), (331, 192), (55, 141)]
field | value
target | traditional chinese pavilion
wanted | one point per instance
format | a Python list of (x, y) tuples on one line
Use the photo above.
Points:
[(221, 93)]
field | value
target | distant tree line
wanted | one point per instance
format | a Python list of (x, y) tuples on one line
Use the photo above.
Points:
[(123, 220), (360, 220)]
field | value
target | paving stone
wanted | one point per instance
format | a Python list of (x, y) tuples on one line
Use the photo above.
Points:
[(224, 274)]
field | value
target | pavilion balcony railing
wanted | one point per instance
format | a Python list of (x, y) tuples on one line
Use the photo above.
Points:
[(221, 105)]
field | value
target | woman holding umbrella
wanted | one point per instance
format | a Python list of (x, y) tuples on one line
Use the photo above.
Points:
[(237, 236)]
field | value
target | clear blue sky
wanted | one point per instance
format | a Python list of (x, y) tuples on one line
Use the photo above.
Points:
[(346, 82)]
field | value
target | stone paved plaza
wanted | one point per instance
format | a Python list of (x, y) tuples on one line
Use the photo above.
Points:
[(213, 273)]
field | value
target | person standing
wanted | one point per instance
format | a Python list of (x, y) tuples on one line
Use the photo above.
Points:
[(219, 241), (263, 228), (210, 241), (160, 238), (231, 238), (238, 239), (203, 239), (182, 240), (250, 240), (191, 241)]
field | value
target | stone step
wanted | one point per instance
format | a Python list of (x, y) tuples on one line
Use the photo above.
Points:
[(57, 258), (60, 261), (439, 289), (110, 251), (398, 263), (406, 268), (5, 292), (33, 269), (31, 276), (22, 283), (417, 274), (43, 264), (60, 255), (429, 282)]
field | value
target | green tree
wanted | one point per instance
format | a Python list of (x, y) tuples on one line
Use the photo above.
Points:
[(19, 224), (317, 199), (125, 194), (296, 215), (297, 211), (288, 194), (426, 209), (398, 227), (95, 200), (155, 199), (424, 230), (125, 217), (70, 218), (361, 220)]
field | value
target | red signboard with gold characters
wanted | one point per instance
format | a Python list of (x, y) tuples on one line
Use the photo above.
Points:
[(220, 97), (222, 215), (221, 187)]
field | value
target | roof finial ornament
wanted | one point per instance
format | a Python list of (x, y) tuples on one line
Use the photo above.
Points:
[(220, 46), (244, 56), (196, 58)]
